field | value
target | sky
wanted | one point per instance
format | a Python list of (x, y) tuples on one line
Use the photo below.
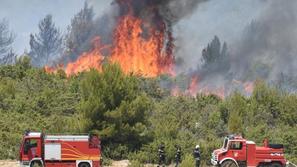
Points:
[(24, 15), (225, 18)]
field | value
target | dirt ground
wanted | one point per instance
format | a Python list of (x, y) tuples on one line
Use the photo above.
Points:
[(123, 163), (11, 163)]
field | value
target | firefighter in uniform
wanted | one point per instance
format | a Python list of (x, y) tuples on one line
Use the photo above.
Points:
[(197, 155), (178, 156), (161, 154)]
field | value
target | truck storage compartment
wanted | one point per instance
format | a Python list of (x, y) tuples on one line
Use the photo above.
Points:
[(52, 151)]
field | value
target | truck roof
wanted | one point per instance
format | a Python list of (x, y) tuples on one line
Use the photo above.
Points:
[(67, 138), (33, 134), (235, 137), (58, 137), (250, 142)]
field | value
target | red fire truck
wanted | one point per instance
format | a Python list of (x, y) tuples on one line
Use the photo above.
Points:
[(239, 152), (42, 150)]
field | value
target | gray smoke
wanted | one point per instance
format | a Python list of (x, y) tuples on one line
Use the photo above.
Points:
[(175, 10), (267, 49), (160, 14)]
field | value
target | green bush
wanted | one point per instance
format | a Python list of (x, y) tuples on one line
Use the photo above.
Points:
[(187, 161), (134, 116), (136, 163)]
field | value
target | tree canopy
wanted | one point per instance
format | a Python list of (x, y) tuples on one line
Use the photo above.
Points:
[(133, 115), (46, 44)]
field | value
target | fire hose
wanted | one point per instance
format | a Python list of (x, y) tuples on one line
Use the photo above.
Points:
[(290, 164)]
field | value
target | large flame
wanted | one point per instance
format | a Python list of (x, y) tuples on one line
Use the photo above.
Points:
[(88, 60), (138, 54), (138, 47), (142, 48)]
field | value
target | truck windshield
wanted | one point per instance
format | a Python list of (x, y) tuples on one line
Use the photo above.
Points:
[(225, 144)]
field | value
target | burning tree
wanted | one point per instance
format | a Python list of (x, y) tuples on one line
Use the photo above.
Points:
[(80, 32), (142, 41)]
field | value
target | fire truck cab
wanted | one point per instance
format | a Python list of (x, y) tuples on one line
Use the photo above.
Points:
[(42, 150), (239, 152)]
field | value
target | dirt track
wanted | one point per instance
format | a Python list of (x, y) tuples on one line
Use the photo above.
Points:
[(11, 163), (123, 163)]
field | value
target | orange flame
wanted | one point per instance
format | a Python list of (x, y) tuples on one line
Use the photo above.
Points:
[(175, 91), (88, 60), (248, 87), (138, 48), (135, 54), (193, 87), (49, 69)]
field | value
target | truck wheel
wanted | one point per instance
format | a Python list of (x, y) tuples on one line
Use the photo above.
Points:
[(275, 165), (36, 164), (228, 164), (84, 164)]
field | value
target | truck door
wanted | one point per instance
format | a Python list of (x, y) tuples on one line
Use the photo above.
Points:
[(30, 149), (24, 151), (238, 151)]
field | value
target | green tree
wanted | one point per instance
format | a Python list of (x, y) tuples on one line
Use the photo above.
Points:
[(80, 32), (237, 108), (215, 57), (115, 107), (6, 39), (46, 45)]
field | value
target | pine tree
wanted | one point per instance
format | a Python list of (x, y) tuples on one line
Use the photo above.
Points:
[(237, 109), (80, 32), (115, 107), (6, 39), (215, 57), (46, 45)]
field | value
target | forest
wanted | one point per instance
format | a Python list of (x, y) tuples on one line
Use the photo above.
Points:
[(86, 80), (133, 115)]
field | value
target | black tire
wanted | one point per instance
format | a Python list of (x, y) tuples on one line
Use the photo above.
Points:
[(84, 164), (36, 164), (275, 164), (228, 163)]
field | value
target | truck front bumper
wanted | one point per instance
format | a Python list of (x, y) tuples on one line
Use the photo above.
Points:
[(214, 162), (24, 163)]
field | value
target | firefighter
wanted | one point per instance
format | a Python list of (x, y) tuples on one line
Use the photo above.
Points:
[(197, 155), (161, 154), (178, 156)]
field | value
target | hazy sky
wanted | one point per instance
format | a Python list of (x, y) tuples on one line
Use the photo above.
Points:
[(24, 16), (225, 18)]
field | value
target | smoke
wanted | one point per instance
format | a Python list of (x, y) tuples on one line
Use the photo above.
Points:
[(267, 49), (157, 14), (171, 10)]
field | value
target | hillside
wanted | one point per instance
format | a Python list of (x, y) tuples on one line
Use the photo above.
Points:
[(133, 115)]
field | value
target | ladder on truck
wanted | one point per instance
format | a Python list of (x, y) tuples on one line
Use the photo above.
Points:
[(290, 164)]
